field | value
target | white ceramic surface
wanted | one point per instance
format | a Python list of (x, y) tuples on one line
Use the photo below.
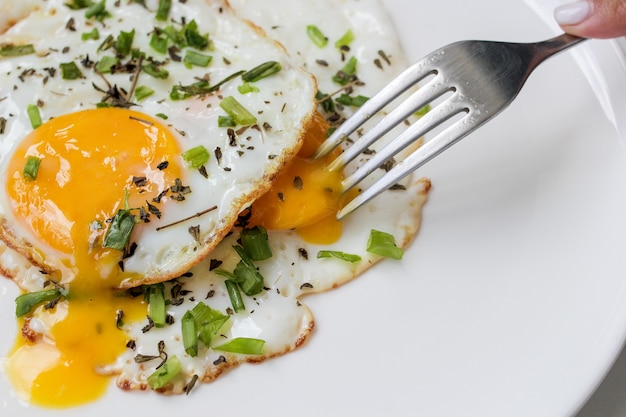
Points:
[(512, 299)]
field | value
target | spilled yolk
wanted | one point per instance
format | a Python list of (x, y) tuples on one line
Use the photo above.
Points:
[(89, 162), (305, 196)]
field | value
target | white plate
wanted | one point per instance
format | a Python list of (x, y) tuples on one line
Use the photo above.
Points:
[(512, 300)]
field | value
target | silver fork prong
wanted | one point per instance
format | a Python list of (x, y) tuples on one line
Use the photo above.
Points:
[(406, 80), (435, 117), (425, 153), (432, 90)]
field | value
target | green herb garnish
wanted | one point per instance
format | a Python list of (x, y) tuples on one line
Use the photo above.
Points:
[(121, 226), (155, 70), (354, 101), (27, 302), (234, 295), (156, 304), (255, 242), (247, 275), (190, 334), (163, 10), (106, 63), (33, 115), (243, 345), (345, 74), (97, 11), (196, 58), (316, 35), (261, 71), (196, 157), (384, 244), (339, 255), (70, 71), (142, 92), (226, 121), (235, 109), (247, 88), (124, 42), (208, 322), (31, 167), (94, 35), (163, 375), (345, 40), (16, 50)]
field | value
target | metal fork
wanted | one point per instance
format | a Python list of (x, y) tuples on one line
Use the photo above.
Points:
[(474, 80)]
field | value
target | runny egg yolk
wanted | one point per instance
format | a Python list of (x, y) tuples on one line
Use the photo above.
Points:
[(305, 195), (89, 164)]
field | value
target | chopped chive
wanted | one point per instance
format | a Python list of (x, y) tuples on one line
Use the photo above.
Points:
[(79, 4), (226, 121), (261, 71), (190, 334), (33, 115), (349, 69), (235, 109), (158, 43), (31, 167), (194, 38), (94, 35), (247, 88), (422, 111), (162, 116), (142, 92), (255, 242), (246, 274), (316, 35), (70, 71), (27, 302), (196, 157), (155, 71), (16, 50), (354, 101), (348, 257), (243, 345), (234, 295), (97, 11), (124, 42), (156, 304), (208, 322), (107, 43), (121, 226), (163, 10), (106, 63), (345, 40), (163, 375), (384, 244), (196, 58)]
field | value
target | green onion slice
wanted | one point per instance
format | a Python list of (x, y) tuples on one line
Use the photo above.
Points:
[(354, 101), (243, 345), (255, 242), (190, 334), (208, 322), (31, 167), (345, 40), (235, 109), (156, 304), (196, 58), (121, 226), (142, 92), (27, 302), (124, 42), (93, 35), (261, 71), (316, 35), (226, 121), (247, 276), (106, 63), (247, 88), (70, 71), (234, 295), (349, 69), (168, 371), (16, 50), (196, 157), (158, 42), (384, 244), (348, 257), (33, 115), (163, 10)]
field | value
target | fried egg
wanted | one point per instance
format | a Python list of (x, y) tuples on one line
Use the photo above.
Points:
[(311, 251)]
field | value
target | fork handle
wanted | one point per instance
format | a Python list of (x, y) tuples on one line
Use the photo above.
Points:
[(547, 48)]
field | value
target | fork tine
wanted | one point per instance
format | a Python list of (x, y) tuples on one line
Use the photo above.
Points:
[(425, 153), (436, 116), (407, 79), (425, 94)]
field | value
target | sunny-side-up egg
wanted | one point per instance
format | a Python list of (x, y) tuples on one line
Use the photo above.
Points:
[(243, 302)]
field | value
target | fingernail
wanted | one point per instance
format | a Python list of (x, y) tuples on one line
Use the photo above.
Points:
[(572, 13)]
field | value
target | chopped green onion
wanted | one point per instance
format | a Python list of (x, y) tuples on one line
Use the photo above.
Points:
[(261, 71), (196, 58), (124, 42), (384, 244), (16, 50), (156, 304), (196, 157), (247, 88), (339, 255), (247, 276), (106, 63), (241, 115), (107, 43), (164, 9), (121, 226), (208, 322), (349, 69), (168, 371), (31, 168), (155, 71), (33, 115), (142, 92), (243, 345), (70, 71), (93, 35), (316, 35), (255, 242), (328, 105), (345, 40), (348, 100), (79, 4), (158, 42), (234, 295), (162, 116), (193, 38), (190, 334), (97, 11), (25, 303), (421, 112), (226, 121)]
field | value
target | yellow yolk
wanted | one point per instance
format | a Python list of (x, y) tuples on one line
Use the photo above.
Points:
[(305, 195), (88, 164)]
